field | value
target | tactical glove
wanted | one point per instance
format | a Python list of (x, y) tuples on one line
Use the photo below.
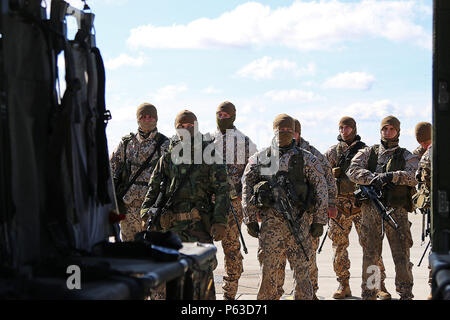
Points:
[(382, 179), (218, 231), (253, 229), (316, 230)]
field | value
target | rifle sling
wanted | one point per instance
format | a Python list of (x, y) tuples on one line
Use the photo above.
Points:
[(143, 166)]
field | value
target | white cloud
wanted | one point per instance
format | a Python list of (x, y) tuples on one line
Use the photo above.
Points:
[(350, 80), (302, 25), (211, 90), (124, 60), (266, 67), (169, 92), (296, 95)]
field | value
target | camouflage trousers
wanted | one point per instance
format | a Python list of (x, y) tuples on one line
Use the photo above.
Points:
[(276, 244), (132, 223), (400, 242), (232, 253), (348, 216)]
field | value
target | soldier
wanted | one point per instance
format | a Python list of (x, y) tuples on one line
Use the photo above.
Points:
[(234, 148), (131, 153), (339, 157), (188, 185), (390, 169), (422, 199), (423, 137), (332, 211), (262, 198)]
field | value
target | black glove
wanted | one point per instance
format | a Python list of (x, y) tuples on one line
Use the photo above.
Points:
[(253, 229), (382, 179)]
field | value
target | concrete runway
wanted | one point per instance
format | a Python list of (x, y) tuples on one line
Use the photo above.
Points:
[(249, 282)]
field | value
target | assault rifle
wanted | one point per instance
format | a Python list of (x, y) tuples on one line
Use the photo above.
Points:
[(159, 209), (369, 192), (426, 229), (328, 228), (282, 202), (238, 227)]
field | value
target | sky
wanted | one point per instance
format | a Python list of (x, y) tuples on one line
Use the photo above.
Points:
[(314, 60)]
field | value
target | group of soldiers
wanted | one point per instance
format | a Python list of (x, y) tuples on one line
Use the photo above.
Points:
[(285, 194)]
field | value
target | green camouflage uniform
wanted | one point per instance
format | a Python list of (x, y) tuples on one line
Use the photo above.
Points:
[(276, 242), (138, 150), (400, 241), (195, 194), (234, 148), (348, 214)]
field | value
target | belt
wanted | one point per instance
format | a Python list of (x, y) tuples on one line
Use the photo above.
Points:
[(194, 214)]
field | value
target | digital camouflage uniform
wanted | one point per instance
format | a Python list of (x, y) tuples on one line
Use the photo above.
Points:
[(234, 148), (276, 242), (191, 213), (331, 185), (348, 214), (138, 150), (400, 241)]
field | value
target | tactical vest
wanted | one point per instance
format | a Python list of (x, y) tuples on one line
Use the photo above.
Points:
[(401, 195), (343, 183), (303, 193)]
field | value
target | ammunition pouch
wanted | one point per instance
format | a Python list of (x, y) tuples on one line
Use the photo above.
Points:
[(262, 195), (168, 219), (343, 183)]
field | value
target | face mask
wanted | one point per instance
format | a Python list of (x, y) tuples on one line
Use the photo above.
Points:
[(285, 138), (224, 124), (147, 126), (186, 133)]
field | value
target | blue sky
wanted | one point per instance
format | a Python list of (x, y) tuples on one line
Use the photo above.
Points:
[(314, 60)]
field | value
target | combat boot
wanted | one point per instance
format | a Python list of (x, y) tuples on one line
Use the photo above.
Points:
[(383, 294), (343, 291)]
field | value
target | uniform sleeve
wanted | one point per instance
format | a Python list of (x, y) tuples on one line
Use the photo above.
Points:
[(315, 175), (331, 155), (407, 176), (116, 157), (221, 189), (249, 179), (357, 172), (154, 185), (328, 175)]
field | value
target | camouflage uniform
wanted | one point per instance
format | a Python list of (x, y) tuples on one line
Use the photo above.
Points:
[(191, 213), (138, 150), (423, 175), (276, 242), (400, 241), (241, 149), (331, 185), (419, 151), (348, 214)]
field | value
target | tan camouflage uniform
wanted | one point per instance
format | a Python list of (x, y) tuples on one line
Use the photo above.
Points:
[(138, 149), (423, 175), (240, 150), (348, 214), (276, 242), (331, 184), (419, 151), (400, 241)]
